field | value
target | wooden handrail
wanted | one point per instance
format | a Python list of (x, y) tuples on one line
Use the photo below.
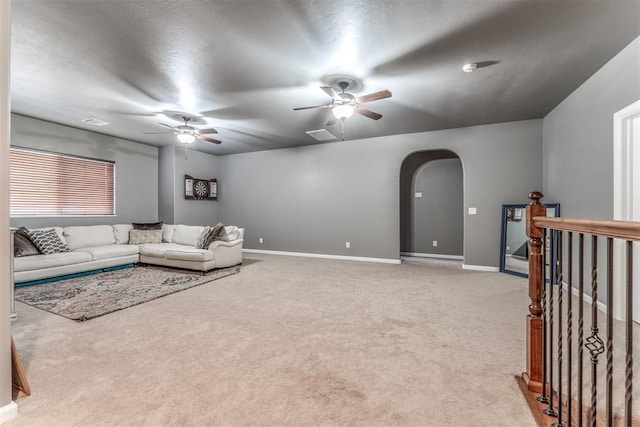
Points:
[(626, 230)]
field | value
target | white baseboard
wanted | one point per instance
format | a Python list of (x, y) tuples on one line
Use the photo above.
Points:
[(8, 412), (442, 256), (325, 256), (480, 268), (587, 298)]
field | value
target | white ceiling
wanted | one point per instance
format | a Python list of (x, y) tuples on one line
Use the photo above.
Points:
[(244, 65)]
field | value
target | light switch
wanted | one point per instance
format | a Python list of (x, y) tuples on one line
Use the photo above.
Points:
[(472, 211), (418, 194)]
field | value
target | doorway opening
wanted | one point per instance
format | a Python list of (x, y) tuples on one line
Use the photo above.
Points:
[(626, 199), (431, 208)]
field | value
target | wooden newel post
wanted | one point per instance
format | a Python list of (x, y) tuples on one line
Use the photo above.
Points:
[(533, 376)]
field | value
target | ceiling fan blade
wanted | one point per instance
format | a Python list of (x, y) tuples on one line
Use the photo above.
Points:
[(203, 131), (373, 97), (160, 133), (169, 126), (315, 106), (331, 92), (368, 113), (204, 138)]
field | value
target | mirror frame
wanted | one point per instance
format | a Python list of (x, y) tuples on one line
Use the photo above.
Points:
[(503, 238)]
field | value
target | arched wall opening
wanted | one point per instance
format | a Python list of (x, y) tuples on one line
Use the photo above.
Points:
[(432, 205)]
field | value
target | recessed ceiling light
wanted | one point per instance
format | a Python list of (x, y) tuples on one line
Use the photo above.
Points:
[(321, 134), (95, 122), (469, 68)]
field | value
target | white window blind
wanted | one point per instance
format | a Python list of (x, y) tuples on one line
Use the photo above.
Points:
[(48, 184)]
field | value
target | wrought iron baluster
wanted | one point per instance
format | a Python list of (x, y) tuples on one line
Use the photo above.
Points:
[(569, 326), (628, 382), (550, 411), (543, 397), (580, 323), (609, 332), (558, 277), (594, 343)]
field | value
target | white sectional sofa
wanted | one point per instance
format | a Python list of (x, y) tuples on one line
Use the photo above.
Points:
[(99, 247)]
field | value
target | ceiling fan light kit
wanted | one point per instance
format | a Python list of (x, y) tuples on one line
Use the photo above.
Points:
[(344, 104), (186, 138), (187, 134), (343, 112)]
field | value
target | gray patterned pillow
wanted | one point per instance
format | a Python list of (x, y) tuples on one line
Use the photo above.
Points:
[(204, 237), (48, 241), (140, 237), (22, 244)]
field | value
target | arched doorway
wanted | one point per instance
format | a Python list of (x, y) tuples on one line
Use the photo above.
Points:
[(432, 205)]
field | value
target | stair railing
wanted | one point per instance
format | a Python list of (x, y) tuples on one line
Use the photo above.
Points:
[(556, 341)]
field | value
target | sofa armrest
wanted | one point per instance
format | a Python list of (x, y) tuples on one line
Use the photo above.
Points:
[(218, 243)]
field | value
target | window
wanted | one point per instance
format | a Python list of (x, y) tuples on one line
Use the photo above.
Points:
[(49, 184)]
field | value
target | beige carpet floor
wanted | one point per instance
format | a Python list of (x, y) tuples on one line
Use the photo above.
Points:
[(289, 342)]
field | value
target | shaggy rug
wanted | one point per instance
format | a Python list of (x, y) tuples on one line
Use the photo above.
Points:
[(86, 297)]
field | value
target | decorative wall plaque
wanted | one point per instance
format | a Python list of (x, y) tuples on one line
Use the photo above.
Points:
[(200, 189)]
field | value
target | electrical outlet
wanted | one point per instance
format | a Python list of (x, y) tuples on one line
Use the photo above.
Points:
[(435, 243), (473, 211), (347, 245), (261, 241), (508, 248)]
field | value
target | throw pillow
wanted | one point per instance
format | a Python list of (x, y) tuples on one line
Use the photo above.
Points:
[(48, 241), (212, 234), (22, 244), (147, 225), (204, 237), (222, 234), (140, 237)]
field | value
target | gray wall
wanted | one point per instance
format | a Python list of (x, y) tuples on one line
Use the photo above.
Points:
[(578, 144), (166, 184), (198, 165), (439, 214), (578, 138), (136, 169), (313, 199)]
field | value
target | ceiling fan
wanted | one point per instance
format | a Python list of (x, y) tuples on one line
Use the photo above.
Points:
[(344, 104), (188, 134)]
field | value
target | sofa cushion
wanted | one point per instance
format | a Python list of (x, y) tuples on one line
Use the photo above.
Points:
[(110, 251), (187, 234), (140, 237), (88, 236), (48, 241), (147, 225), (22, 244), (231, 233), (158, 249), (176, 251), (167, 232), (37, 262), (121, 233), (190, 254)]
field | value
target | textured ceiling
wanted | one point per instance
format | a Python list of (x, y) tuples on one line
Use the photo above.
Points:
[(244, 65)]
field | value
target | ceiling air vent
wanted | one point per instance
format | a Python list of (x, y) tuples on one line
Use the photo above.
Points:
[(321, 134), (95, 122)]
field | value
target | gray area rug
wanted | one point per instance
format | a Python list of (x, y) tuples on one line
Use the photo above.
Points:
[(86, 297)]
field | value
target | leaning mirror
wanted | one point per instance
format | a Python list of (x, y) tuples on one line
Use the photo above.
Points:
[(514, 249)]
